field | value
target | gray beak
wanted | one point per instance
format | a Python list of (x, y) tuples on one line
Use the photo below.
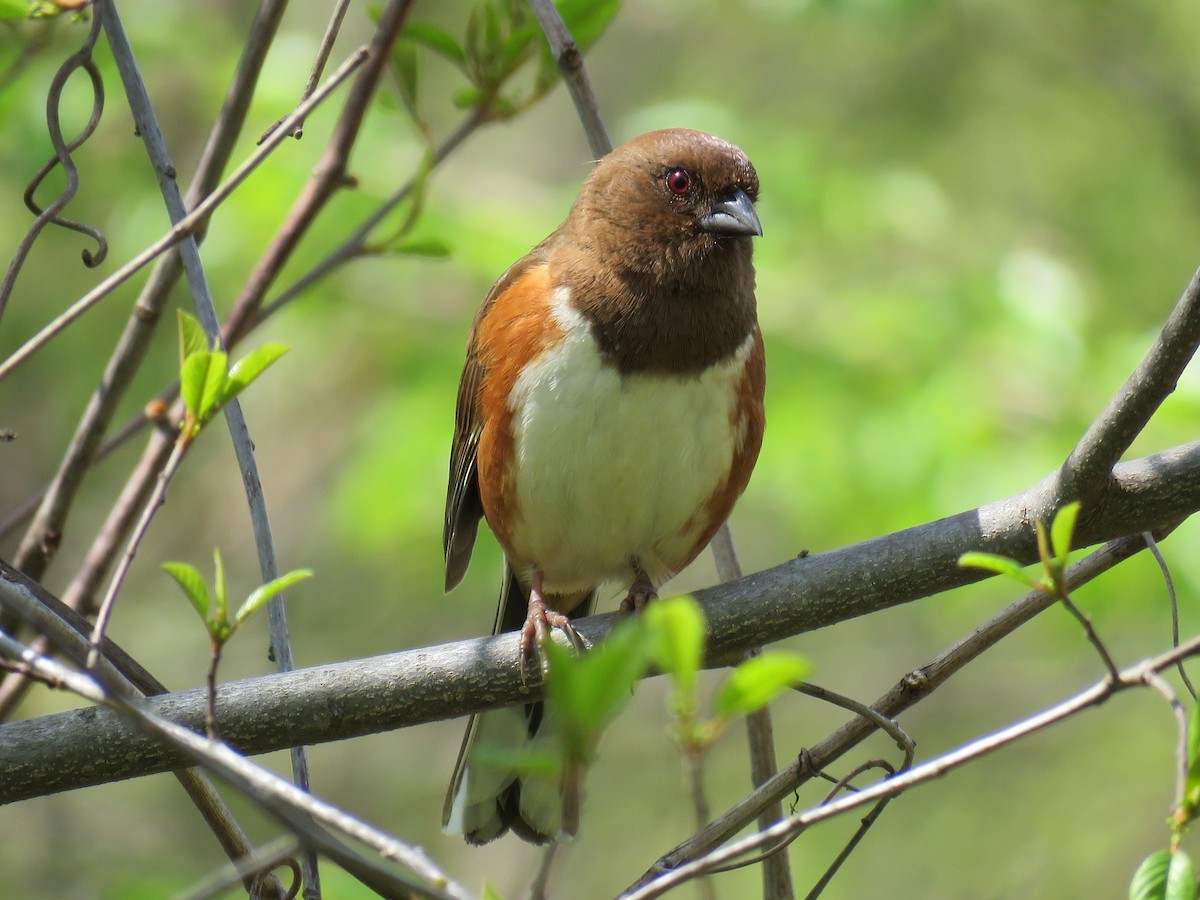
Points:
[(735, 217)]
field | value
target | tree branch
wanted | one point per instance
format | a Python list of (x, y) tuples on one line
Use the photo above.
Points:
[(347, 699), (1130, 409)]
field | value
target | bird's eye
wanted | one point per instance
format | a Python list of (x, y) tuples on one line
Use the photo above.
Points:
[(679, 181)]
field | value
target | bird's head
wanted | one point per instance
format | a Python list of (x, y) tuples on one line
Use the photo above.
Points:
[(667, 201)]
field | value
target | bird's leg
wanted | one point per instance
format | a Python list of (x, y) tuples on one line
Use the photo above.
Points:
[(538, 622), (640, 593)]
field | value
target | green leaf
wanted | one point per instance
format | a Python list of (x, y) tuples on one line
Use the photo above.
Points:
[(192, 338), (1000, 565), (192, 584), (407, 72), (1062, 531), (249, 367), (586, 691), (1181, 877), (214, 377), (220, 615), (264, 593), (757, 681), (676, 632), (515, 46), (435, 39), (1150, 880), (192, 375), (1164, 875), (490, 893), (587, 19), (1191, 793), (467, 98)]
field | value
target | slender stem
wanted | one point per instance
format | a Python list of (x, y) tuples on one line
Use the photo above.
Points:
[(210, 713), (131, 547)]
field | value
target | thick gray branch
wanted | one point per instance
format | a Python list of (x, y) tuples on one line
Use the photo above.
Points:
[(347, 699)]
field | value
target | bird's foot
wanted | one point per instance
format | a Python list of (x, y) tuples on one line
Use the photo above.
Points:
[(536, 630), (640, 593)]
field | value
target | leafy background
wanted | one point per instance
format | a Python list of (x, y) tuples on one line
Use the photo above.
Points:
[(977, 215)]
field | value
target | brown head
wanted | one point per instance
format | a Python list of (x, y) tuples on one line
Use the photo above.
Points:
[(657, 250)]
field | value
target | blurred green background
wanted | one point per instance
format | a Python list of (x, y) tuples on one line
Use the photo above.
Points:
[(977, 215)]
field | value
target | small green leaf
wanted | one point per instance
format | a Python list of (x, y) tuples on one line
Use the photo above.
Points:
[(1062, 531), (264, 593), (515, 45), (437, 40), (407, 71), (757, 681), (490, 893), (676, 626), (467, 98), (1164, 875), (192, 583), (587, 19), (1001, 565), (192, 338), (249, 367), (586, 691), (1150, 880), (1191, 794), (1181, 877), (220, 615), (206, 373), (192, 375)]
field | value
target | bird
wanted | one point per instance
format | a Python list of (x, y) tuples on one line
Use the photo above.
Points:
[(609, 415)]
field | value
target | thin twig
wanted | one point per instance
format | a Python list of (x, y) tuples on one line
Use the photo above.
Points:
[(760, 732), (330, 173), (537, 888), (570, 64), (182, 229), (314, 75), (1154, 680), (1092, 636), (1124, 418), (1135, 676), (280, 852), (1173, 601), (131, 547)]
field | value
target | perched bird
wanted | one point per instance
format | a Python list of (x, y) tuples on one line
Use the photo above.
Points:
[(609, 415)]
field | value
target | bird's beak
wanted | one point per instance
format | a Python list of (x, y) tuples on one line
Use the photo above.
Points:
[(735, 217)]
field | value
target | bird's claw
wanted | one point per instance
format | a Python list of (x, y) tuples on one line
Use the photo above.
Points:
[(641, 592), (536, 630)]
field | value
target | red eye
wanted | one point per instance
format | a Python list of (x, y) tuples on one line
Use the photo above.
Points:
[(679, 181)]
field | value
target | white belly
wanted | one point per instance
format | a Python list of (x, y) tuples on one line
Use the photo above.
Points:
[(611, 470)]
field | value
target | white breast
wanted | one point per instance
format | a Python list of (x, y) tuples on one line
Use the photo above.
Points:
[(612, 469)]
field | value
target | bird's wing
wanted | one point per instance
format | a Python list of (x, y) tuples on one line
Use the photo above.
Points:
[(464, 508)]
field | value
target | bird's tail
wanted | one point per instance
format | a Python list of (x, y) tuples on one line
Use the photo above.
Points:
[(489, 796)]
